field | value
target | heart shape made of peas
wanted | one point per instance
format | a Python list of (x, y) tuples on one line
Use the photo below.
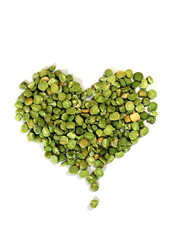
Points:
[(86, 129)]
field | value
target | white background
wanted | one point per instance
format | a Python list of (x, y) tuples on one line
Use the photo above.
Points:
[(38, 200)]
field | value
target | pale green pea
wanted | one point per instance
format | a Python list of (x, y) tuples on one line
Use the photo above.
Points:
[(38, 99), (54, 159), (90, 160), (140, 108), (129, 106), (119, 154), (43, 85), (54, 88), (63, 140), (73, 170), (150, 79), (108, 130), (94, 203), (18, 117), (83, 143), (144, 131), (152, 94), (71, 135), (43, 73), (129, 73), (61, 96), (62, 77), (119, 101), (70, 125), (45, 132), (144, 83), (94, 186), (133, 134), (135, 126), (24, 128), (99, 132), (79, 120), (66, 104), (71, 110), (71, 144), (83, 173), (89, 136), (30, 136), (99, 172), (154, 113), (105, 143), (94, 110), (114, 116)]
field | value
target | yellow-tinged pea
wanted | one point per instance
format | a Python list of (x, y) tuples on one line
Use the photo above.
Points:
[(28, 101), (125, 95), (120, 74), (45, 79), (127, 118), (135, 117)]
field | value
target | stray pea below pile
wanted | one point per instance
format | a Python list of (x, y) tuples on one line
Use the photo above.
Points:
[(86, 129)]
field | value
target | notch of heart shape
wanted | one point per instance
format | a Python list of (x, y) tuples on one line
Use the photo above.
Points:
[(86, 129)]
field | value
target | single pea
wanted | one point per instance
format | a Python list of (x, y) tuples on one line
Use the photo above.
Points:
[(23, 85), (90, 160), (108, 130), (66, 104), (133, 134), (129, 73), (94, 186), (24, 128), (83, 173), (70, 125), (154, 113), (54, 88), (71, 110), (152, 94), (150, 79), (114, 116), (43, 73), (152, 106), (144, 83), (19, 104), (89, 136), (144, 115), (140, 108), (42, 85), (71, 144), (61, 96), (62, 77), (63, 140), (94, 203), (108, 72), (54, 159), (73, 170), (119, 154), (94, 110), (83, 143), (99, 172), (45, 132), (144, 131), (138, 76), (30, 136), (119, 101), (129, 106), (18, 117)]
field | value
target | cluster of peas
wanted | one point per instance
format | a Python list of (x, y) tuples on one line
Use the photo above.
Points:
[(86, 129)]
